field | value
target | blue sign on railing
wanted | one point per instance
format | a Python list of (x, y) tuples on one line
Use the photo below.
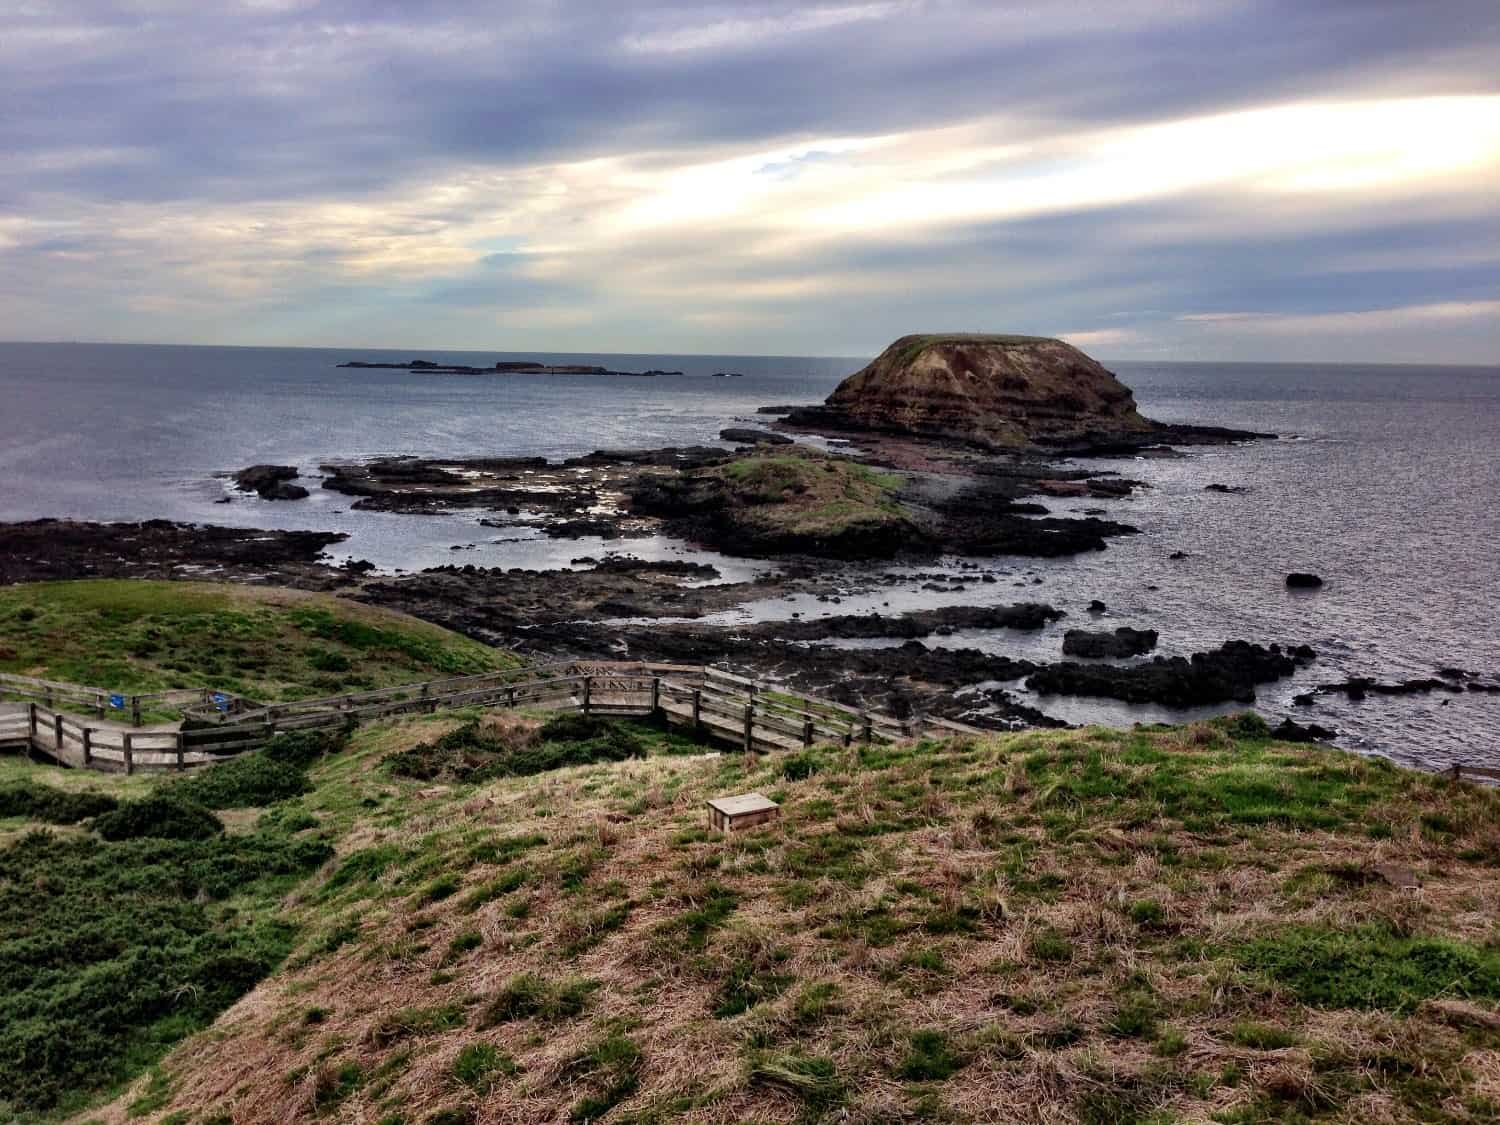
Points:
[(117, 702), (221, 701)]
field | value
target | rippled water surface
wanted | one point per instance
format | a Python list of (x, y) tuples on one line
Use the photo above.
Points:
[(1386, 482)]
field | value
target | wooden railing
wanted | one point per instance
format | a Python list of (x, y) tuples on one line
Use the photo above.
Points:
[(715, 703)]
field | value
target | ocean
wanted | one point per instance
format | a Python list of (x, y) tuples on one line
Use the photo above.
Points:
[(1385, 481)]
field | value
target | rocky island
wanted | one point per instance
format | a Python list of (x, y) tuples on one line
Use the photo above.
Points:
[(998, 393)]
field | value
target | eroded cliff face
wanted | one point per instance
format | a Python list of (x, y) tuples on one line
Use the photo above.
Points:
[(1001, 392)]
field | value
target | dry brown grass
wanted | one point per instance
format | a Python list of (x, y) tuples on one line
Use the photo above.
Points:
[(980, 893)]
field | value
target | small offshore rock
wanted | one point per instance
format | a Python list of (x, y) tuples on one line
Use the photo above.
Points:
[(1123, 642), (1289, 731), (746, 435), (270, 482), (1301, 580)]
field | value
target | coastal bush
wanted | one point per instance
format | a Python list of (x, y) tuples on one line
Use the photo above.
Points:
[(276, 772), (160, 816), (112, 951), (36, 801), (476, 751)]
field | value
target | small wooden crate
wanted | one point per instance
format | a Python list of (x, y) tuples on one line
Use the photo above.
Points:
[(729, 814)]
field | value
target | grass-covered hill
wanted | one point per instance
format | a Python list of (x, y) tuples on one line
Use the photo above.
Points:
[(526, 924), (270, 644), (783, 500)]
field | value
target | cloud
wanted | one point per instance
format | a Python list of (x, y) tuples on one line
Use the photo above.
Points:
[(759, 176)]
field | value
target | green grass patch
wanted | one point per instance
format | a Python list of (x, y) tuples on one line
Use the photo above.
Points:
[(142, 636), (531, 996), (1371, 967), (930, 1058), (481, 1066)]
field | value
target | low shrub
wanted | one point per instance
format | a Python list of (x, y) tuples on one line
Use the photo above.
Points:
[(112, 951), (480, 750), (245, 782), (158, 816), (36, 801)]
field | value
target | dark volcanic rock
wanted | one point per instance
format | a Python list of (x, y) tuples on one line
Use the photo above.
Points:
[(745, 435), (270, 482), (1289, 731), (1123, 642), (43, 550), (1226, 489), (1024, 615), (1228, 673), (1359, 687), (1298, 580)]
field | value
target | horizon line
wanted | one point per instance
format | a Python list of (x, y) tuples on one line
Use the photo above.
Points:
[(713, 355)]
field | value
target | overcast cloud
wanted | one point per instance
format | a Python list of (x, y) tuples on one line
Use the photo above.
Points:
[(1266, 179)]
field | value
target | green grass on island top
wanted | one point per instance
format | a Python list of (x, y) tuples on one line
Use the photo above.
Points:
[(490, 916), (268, 644), (914, 345), (806, 493)]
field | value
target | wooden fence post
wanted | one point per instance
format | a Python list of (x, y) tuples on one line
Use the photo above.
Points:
[(57, 732), (99, 705), (129, 740), (807, 732), (749, 724), (588, 684), (510, 697), (181, 763), (88, 746), (655, 694), (31, 715), (135, 710), (865, 733), (697, 710)]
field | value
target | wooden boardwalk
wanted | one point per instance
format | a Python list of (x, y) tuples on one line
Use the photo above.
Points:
[(41, 716)]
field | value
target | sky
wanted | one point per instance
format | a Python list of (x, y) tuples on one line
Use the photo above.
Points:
[(1298, 180)]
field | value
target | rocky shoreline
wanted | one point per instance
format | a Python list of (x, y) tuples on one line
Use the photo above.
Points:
[(829, 521)]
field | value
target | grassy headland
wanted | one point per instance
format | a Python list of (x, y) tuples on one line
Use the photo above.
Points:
[(1096, 925), (270, 644), (784, 500)]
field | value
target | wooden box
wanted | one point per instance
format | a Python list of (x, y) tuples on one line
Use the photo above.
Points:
[(729, 814)]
